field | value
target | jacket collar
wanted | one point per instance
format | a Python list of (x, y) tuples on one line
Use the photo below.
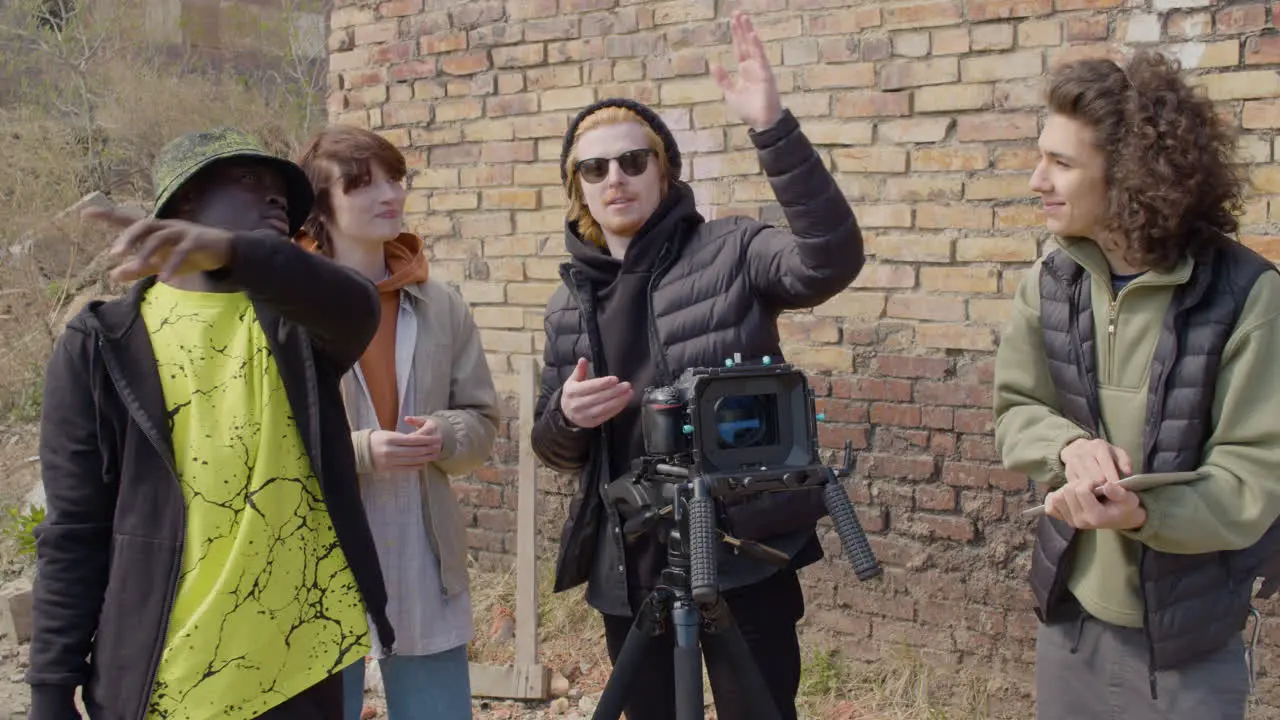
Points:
[(1090, 257)]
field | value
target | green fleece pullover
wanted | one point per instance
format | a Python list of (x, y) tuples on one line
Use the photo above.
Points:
[(1239, 497)]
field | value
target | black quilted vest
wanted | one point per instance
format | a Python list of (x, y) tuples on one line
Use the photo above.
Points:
[(1193, 603)]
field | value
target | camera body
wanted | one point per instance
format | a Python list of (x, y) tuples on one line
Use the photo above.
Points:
[(746, 428)]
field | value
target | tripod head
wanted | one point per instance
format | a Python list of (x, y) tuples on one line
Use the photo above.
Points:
[(728, 433)]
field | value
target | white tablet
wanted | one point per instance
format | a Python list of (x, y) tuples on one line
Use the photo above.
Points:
[(1137, 483)]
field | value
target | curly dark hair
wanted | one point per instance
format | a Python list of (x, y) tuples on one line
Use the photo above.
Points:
[(1172, 186)]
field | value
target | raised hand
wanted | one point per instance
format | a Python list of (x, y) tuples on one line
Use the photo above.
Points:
[(148, 246), (753, 95)]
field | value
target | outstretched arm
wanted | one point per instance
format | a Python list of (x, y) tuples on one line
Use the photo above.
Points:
[(338, 307)]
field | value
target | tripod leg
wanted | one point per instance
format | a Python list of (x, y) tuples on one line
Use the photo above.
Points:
[(724, 644), (688, 661), (649, 623)]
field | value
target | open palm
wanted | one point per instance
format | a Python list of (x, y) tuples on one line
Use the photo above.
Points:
[(753, 94)]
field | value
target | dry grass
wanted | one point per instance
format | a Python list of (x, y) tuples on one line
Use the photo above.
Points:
[(902, 687), (85, 110)]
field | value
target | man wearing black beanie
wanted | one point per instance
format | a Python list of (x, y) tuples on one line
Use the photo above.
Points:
[(652, 289)]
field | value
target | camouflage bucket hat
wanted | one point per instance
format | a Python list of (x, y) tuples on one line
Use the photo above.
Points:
[(183, 158)]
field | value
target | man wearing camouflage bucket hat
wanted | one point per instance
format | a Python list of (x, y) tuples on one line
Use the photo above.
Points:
[(201, 556)]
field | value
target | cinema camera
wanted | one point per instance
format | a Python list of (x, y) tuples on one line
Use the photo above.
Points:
[(723, 434)]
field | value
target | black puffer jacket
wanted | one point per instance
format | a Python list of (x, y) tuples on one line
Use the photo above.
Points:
[(716, 288)]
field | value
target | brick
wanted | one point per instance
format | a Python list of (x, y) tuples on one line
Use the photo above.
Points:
[(523, 103), (807, 328), (1261, 114), (1262, 50), (930, 13), (1241, 18), (843, 22), (575, 50), (870, 160), (983, 10), (1016, 94), (413, 70), (485, 176), (1140, 28), (924, 307), (1265, 179), (849, 304), (914, 73), (685, 92), (1036, 33), (836, 132), (1252, 149), (880, 275), (554, 76), (911, 44), (914, 130), (514, 56), (956, 337), (1065, 5), (1089, 27), (498, 317), (409, 113), (1187, 24), (895, 414), (492, 35), (913, 248), (558, 28), (996, 126), (967, 217), (1005, 66), (725, 165), (463, 109), (996, 249), (380, 32), (883, 216), (996, 36), (818, 359), (960, 279), (819, 77), (937, 498), (872, 103), (399, 8), (683, 11), (465, 63), (949, 159), (945, 98), (997, 187), (445, 202), (949, 41), (936, 187)]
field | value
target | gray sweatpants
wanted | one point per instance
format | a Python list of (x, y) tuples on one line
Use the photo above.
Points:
[(1106, 677)]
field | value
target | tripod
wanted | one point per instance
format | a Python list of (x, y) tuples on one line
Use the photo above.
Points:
[(687, 600)]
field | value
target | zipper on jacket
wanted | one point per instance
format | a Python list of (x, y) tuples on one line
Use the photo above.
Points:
[(659, 353), (141, 421)]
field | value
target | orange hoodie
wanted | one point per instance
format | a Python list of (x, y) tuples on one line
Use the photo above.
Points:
[(406, 265)]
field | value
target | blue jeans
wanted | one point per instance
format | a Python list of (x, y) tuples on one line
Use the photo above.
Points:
[(417, 686)]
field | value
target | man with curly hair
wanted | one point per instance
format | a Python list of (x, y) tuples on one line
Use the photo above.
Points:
[(1147, 342)]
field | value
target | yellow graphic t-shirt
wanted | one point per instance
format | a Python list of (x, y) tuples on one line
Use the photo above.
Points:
[(266, 605)]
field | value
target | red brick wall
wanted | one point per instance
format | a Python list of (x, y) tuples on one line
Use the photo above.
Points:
[(927, 112)]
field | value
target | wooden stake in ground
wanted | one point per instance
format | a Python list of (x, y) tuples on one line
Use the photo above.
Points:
[(527, 679)]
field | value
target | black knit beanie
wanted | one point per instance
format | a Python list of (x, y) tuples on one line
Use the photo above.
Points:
[(649, 116)]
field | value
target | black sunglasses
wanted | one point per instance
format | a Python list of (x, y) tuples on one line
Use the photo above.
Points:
[(632, 162)]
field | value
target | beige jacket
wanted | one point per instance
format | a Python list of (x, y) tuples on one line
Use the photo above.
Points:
[(453, 384)]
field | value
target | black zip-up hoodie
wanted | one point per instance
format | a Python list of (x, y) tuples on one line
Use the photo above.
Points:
[(110, 549)]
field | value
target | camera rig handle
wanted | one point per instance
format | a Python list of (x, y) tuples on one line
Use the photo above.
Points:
[(852, 536), (702, 543)]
